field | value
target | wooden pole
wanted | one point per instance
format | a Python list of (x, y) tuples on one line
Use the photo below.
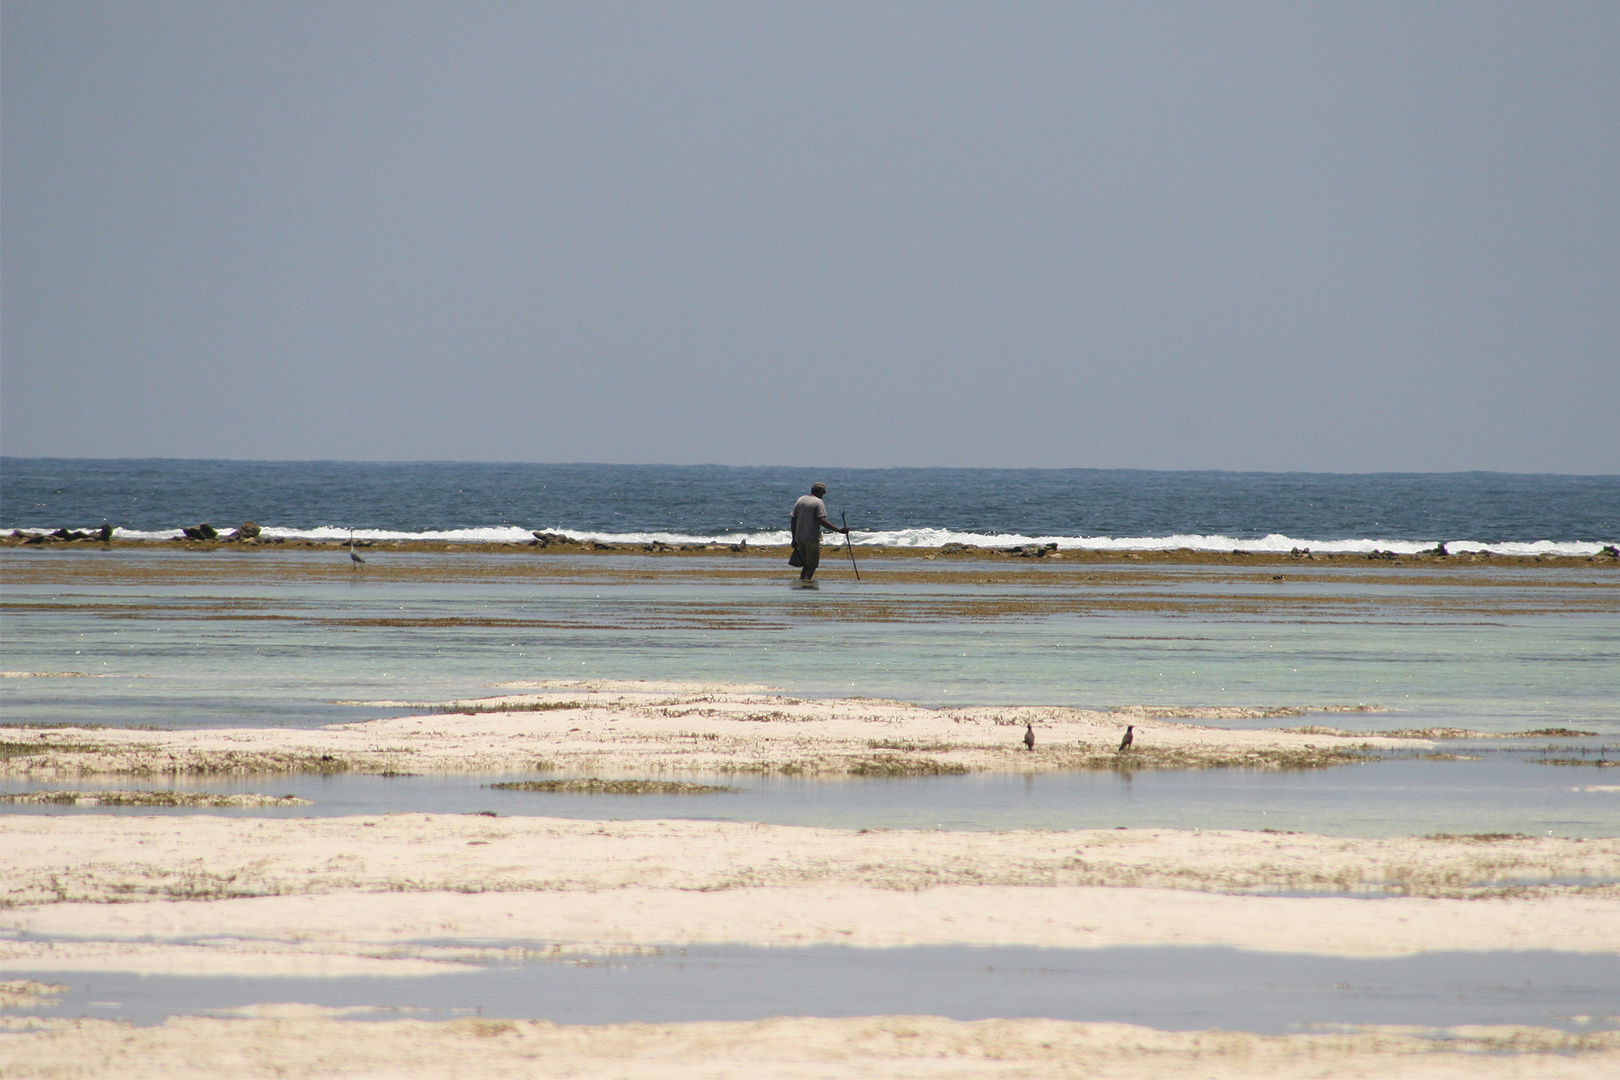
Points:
[(844, 518)]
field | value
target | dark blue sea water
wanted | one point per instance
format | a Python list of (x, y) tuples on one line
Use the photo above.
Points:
[(1077, 507)]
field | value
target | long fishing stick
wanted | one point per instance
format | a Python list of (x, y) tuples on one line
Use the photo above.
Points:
[(843, 517)]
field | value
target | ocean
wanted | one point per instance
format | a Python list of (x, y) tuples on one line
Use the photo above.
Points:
[(1099, 509), (281, 647), (276, 640)]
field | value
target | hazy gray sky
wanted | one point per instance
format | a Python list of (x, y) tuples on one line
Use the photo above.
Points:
[(1244, 236)]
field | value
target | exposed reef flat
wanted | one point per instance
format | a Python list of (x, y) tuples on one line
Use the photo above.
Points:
[(416, 895), (27, 994), (899, 586), (202, 799), (640, 729), (98, 859), (406, 895), (412, 894)]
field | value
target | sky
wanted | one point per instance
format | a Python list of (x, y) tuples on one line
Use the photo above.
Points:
[(1315, 237)]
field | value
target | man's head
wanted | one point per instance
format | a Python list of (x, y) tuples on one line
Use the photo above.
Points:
[(818, 490)]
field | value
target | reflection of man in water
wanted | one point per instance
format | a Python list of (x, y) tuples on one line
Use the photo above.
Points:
[(809, 518)]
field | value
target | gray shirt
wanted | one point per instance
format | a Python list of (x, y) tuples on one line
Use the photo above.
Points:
[(807, 515)]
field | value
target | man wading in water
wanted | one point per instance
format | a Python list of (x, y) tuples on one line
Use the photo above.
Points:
[(809, 518)]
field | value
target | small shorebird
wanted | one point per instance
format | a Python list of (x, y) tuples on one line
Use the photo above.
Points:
[(1125, 743), (1029, 736), (354, 556)]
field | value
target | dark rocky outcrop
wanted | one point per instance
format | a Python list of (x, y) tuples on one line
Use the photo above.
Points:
[(62, 535), (204, 531), (546, 539)]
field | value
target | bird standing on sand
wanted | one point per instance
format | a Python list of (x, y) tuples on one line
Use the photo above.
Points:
[(354, 556), (1125, 743), (1029, 737)]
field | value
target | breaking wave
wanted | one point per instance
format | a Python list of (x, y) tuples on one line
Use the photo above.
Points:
[(931, 538)]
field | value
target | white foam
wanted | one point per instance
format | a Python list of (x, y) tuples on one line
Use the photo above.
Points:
[(919, 538), (1273, 543)]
